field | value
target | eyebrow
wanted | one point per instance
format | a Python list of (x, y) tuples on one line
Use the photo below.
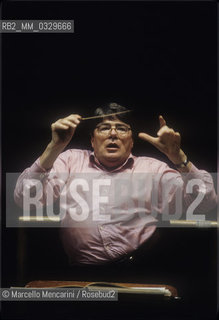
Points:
[(116, 123)]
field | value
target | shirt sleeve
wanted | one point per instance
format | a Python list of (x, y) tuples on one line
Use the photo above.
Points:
[(191, 192), (37, 179), (199, 184)]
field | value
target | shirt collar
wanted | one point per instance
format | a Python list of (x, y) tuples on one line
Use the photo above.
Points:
[(127, 164)]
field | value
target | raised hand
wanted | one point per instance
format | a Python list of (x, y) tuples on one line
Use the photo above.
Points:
[(62, 132), (167, 141), (64, 129)]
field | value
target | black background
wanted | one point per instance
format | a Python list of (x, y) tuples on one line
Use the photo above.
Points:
[(153, 57)]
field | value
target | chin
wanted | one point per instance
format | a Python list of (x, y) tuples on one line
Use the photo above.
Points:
[(113, 157), (113, 161)]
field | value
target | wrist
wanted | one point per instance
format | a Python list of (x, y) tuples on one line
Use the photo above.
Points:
[(178, 159), (182, 164), (50, 154), (52, 146)]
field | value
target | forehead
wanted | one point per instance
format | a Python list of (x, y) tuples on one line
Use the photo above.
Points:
[(112, 122)]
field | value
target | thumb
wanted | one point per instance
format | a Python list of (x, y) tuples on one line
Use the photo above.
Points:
[(162, 121), (147, 137)]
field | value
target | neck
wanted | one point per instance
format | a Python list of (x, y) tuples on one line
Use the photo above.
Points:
[(111, 168)]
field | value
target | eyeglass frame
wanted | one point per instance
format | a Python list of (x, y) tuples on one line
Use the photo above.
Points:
[(113, 127)]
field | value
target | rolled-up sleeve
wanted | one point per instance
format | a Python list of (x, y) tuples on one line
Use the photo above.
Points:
[(179, 191), (35, 176)]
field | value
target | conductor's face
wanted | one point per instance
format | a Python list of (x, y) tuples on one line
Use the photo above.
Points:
[(112, 142)]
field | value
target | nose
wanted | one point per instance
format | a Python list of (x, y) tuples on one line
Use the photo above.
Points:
[(113, 131)]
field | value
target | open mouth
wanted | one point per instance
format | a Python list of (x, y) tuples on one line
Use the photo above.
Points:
[(112, 146)]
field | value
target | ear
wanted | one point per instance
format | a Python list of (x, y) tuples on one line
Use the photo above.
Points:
[(92, 141), (132, 144)]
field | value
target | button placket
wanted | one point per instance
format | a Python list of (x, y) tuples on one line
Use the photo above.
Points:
[(106, 240)]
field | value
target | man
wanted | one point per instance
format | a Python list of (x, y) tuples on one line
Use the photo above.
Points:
[(110, 213)]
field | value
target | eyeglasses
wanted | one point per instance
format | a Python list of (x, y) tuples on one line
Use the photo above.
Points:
[(105, 129)]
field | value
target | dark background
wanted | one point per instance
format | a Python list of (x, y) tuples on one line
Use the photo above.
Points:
[(153, 57)]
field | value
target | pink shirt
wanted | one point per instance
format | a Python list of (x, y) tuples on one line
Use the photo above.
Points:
[(122, 220)]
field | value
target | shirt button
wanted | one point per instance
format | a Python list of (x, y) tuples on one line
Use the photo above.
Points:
[(131, 258)]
